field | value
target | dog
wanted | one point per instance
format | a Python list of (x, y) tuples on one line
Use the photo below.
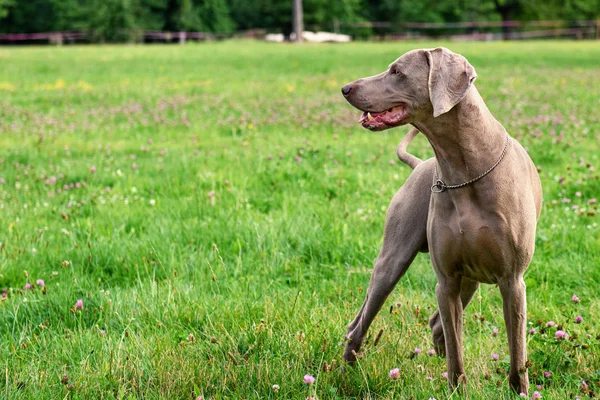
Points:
[(474, 206)]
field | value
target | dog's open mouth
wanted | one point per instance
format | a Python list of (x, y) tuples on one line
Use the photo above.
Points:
[(378, 121)]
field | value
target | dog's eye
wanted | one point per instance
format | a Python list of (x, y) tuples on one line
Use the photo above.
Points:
[(395, 71)]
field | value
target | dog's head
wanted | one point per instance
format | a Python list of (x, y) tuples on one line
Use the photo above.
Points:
[(420, 84)]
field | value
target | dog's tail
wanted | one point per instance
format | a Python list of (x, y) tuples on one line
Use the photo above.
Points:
[(405, 157)]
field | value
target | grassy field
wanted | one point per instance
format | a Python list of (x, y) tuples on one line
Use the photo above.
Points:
[(217, 210)]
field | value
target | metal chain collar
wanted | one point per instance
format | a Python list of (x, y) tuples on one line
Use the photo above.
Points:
[(439, 186)]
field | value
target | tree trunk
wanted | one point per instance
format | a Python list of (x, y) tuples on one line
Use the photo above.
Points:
[(298, 20), (506, 14), (506, 11)]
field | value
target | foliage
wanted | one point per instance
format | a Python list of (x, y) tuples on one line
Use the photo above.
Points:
[(111, 20), (217, 16), (217, 209), (28, 16), (4, 7), (114, 20), (274, 15)]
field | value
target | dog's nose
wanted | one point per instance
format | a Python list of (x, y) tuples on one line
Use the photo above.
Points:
[(346, 89)]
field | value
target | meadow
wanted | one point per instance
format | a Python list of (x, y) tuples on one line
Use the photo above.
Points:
[(201, 220)]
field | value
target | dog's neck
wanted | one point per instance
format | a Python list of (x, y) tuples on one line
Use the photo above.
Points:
[(466, 140)]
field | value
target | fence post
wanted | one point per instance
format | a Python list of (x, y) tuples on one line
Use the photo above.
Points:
[(298, 20), (182, 37), (56, 39)]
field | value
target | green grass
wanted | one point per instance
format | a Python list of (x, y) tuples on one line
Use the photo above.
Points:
[(234, 255)]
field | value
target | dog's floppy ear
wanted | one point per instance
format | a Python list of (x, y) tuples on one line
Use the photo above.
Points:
[(450, 77)]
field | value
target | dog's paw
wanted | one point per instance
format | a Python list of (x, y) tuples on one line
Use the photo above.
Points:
[(437, 334), (350, 355)]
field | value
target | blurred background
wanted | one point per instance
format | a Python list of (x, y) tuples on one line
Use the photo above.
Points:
[(99, 21)]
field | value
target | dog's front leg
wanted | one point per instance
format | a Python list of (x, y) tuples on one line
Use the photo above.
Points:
[(451, 314), (515, 316), (468, 287)]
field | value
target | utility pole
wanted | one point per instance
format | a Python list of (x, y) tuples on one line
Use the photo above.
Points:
[(298, 20)]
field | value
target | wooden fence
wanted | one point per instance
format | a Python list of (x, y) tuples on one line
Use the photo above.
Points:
[(484, 30), (66, 37)]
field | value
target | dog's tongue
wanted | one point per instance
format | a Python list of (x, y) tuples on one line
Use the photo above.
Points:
[(367, 116), (384, 119)]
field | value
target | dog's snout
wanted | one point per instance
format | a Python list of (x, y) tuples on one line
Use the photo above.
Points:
[(346, 89)]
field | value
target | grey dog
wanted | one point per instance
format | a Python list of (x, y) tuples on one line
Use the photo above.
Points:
[(474, 206)]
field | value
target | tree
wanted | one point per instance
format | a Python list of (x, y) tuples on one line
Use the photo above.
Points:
[(324, 14), (508, 10), (111, 20), (272, 15), (152, 14), (4, 4), (217, 16), (563, 9), (183, 15), (69, 14), (119, 20), (28, 16)]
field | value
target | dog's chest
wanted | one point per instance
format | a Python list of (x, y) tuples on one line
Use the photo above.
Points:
[(474, 246)]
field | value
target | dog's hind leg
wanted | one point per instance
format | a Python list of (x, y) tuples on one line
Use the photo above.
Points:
[(404, 236)]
